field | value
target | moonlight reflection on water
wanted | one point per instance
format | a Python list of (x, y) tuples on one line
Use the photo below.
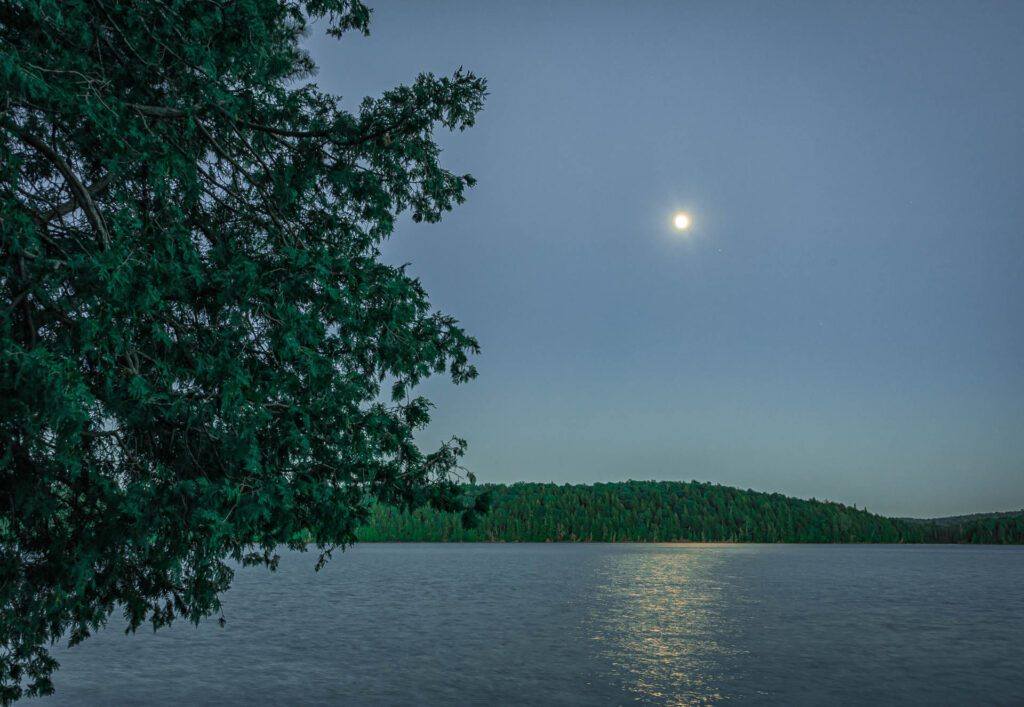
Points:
[(662, 627)]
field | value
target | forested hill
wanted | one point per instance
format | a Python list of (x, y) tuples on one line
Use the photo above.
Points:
[(668, 511), (642, 511), (1006, 528), (960, 520)]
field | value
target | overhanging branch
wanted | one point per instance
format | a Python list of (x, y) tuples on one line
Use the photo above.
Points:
[(68, 206), (78, 190)]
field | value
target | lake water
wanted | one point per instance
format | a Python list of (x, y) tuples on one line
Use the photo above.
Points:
[(586, 625)]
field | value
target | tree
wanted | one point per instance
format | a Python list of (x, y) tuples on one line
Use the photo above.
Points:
[(202, 356)]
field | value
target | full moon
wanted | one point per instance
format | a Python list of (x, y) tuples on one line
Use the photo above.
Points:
[(682, 221)]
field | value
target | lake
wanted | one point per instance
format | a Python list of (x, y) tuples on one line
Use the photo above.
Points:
[(554, 624)]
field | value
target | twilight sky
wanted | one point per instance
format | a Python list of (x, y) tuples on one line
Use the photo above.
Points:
[(844, 318)]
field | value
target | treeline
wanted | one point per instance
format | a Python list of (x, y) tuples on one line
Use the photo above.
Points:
[(669, 511), (997, 529), (960, 520), (643, 511)]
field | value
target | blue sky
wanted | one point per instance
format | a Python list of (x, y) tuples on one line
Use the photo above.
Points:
[(843, 319)]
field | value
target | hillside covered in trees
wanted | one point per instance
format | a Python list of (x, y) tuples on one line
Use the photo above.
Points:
[(978, 528), (669, 511)]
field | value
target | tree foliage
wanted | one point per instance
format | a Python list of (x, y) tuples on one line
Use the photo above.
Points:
[(644, 511), (673, 511), (980, 529), (202, 355)]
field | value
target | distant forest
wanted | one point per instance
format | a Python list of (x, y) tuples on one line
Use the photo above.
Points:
[(671, 511)]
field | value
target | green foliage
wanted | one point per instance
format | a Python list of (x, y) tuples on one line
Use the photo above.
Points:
[(195, 325), (670, 511), (642, 511), (994, 529)]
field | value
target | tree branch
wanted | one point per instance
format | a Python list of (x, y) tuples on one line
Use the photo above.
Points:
[(175, 113), (68, 206), (78, 189), (103, 433), (270, 208), (159, 111)]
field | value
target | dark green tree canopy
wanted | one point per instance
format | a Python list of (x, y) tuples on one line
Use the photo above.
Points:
[(201, 355)]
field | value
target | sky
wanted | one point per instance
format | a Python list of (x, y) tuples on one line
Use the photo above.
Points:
[(842, 320)]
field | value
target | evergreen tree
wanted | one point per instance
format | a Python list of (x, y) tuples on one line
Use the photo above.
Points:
[(195, 324)]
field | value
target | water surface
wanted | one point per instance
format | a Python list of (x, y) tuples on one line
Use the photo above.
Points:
[(551, 624)]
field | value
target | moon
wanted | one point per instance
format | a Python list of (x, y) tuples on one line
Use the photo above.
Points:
[(682, 221)]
